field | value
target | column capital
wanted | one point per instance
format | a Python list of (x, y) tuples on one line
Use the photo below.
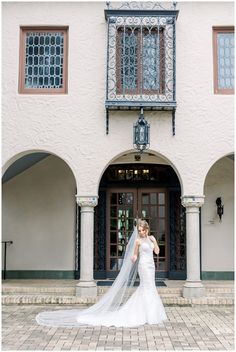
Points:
[(87, 201), (192, 201)]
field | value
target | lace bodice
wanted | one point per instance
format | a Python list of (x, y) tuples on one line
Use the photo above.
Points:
[(146, 247)]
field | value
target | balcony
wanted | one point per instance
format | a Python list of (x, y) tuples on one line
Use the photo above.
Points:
[(141, 56)]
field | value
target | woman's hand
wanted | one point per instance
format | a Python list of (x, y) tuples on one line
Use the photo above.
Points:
[(156, 247), (134, 258)]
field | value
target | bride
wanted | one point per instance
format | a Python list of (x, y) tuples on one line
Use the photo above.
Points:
[(117, 307)]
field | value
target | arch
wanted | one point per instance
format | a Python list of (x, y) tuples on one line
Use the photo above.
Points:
[(216, 159), (46, 217), (19, 155), (150, 151), (218, 222), (144, 198)]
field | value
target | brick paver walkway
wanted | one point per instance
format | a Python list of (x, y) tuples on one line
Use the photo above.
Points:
[(188, 328)]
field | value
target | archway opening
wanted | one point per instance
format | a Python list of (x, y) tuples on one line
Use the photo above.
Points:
[(39, 216), (149, 189), (217, 235)]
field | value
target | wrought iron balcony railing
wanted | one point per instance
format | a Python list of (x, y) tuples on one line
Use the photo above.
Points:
[(141, 56)]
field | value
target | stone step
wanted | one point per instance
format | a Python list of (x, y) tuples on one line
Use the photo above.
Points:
[(223, 292), (177, 292), (38, 290), (83, 302)]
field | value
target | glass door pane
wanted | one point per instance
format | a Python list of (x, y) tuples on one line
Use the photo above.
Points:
[(152, 208), (122, 210)]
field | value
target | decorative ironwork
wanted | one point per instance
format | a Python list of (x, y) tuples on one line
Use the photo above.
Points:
[(134, 62), (177, 237), (141, 5), (141, 57), (77, 242), (100, 235)]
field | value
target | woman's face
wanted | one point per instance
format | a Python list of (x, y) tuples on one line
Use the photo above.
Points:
[(142, 232)]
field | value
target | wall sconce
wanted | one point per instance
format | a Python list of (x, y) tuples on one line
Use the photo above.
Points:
[(141, 133), (220, 207)]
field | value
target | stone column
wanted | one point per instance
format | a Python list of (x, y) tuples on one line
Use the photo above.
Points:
[(86, 286), (193, 286)]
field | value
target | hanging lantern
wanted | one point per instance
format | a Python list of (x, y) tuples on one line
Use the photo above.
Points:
[(141, 133)]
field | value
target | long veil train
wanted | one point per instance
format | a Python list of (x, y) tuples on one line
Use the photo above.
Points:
[(102, 312)]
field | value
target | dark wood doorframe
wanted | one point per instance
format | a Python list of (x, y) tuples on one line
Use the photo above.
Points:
[(148, 195)]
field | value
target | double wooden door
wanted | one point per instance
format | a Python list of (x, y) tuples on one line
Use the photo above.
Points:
[(123, 206)]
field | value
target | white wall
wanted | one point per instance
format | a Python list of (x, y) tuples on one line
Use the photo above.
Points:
[(39, 216), (72, 126), (218, 237)]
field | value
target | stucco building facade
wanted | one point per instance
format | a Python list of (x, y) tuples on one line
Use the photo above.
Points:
[(73, 182)]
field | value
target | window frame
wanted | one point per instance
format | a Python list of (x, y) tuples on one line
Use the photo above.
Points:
[(215, 31), (139, 90), (22, 52)]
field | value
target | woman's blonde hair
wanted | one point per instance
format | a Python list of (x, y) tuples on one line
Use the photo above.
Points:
[(144, 224)]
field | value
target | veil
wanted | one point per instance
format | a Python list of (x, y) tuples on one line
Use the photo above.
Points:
[(108, 305)]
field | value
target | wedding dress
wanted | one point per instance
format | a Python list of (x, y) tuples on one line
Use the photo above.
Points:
[(144, 306)]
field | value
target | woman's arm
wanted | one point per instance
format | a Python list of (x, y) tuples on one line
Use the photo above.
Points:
[(156, 247), (136, 249)]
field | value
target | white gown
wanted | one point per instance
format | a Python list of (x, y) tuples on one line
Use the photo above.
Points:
[(143, 307)]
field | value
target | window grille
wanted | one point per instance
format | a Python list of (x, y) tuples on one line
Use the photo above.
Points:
[(43, 61), (140, 61)]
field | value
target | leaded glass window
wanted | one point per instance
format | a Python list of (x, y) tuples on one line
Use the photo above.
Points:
[(151, 61), (225, 56), (223, 60), (140, 58), (129, 64), (43, 60)]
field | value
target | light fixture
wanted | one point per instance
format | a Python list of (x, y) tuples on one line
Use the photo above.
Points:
[(220, 207), (141, 133)]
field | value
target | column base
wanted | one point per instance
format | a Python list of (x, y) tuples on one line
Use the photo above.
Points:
[(193, 289), (86, 289)]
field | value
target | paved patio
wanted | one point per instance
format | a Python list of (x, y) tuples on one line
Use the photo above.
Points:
[(188, 328)]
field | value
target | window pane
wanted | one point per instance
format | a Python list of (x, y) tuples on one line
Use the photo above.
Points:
[(145, 198), (129, 198), (161, 264), (113, 251), (162, 212), (129, 59), (151, 59), (161, 198), (120, 262), (113, 237), (113, 264), (153, 198), (161, 226), (225, 57), (43, 51), (113, 212)]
